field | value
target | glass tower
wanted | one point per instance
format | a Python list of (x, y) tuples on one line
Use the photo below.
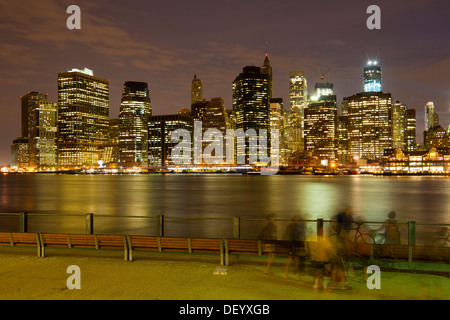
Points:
[(372, 77), (251, 106), (135, 110)]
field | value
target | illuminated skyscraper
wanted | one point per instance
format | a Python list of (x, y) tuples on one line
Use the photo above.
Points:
[(135, 110), (298, 98), (160, 144), (20, 158), (267, 69), (110, 154), (321, 119), (83, 118), (431, 117), (39, 126), (29, 102), (411, 130), (372, 77), (196, 90), (369, 125), (399, 125), (251, 105)]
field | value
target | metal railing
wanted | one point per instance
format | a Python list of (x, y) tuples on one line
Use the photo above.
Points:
[(233, 227)]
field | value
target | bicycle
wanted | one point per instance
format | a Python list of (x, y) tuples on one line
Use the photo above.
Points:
[(360, 237), (438, 251), (352, 252), (443, 239)]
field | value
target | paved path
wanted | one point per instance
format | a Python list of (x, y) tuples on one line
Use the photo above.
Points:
[(106, 276)]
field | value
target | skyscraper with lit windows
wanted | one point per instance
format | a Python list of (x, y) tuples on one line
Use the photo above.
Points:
[(196, 90), (251, 105), (369, 124), (83, 118), (135, 110), (298, 98), (372, 77), (321, 119)]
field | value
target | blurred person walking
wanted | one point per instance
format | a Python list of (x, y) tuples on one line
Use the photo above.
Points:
[(269, 234), (295, 233)]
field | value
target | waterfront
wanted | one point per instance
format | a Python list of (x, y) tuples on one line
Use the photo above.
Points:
[(114, 198)]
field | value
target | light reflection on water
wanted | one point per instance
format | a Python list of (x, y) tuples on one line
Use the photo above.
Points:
[(420, 199)]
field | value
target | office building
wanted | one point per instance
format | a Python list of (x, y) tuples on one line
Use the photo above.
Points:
[(135, 110), (20, 158), (399, 125), (160, 144), (251, 108), (321, 120), (298, 98), (39, 126), (369, 125), (411, 143), (431, 117), (110, 154), (196, 90), (267, 69), (83, 118)]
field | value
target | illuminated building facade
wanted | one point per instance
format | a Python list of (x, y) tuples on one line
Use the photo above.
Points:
[(434, 160), (267, 69), (196, 90), (110, 154), (321, 119), (20, 158), (135, 110), (29, 102), (277, 122), (39, 126), (411, 143), (251, 106), (372, 77), (431, 117), (298, 98), (437, 137), (160, 144), (83, 118), (399, 126), (369, 125)]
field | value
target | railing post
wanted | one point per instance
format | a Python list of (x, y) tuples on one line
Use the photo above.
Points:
[(237, 227), (23, 222), (411, 239), (319, 227), (411, 233), (160, 226), (89, 223)]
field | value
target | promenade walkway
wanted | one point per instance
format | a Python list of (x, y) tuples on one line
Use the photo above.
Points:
[(171, 276)]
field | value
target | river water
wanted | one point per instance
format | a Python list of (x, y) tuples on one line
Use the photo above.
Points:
[(129, 204)]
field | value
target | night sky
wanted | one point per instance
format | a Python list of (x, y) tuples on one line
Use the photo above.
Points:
[(166, 42)]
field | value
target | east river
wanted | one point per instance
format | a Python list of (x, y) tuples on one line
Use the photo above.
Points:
[(204, 205)]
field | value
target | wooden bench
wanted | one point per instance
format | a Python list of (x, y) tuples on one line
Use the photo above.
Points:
[(257, 247), (174, 244), (392, 252), (431, 254), (21, 240), (98, 242)]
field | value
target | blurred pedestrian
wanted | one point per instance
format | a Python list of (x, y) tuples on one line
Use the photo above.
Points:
[(268, 235), (343, 223), (321, 252), (295, 233), (391, 229)]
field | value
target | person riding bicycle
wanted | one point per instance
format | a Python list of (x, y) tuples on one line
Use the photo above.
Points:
[(343, 223), (391, 229)]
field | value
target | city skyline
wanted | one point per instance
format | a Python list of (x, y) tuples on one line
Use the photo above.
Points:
[(119, 50)]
